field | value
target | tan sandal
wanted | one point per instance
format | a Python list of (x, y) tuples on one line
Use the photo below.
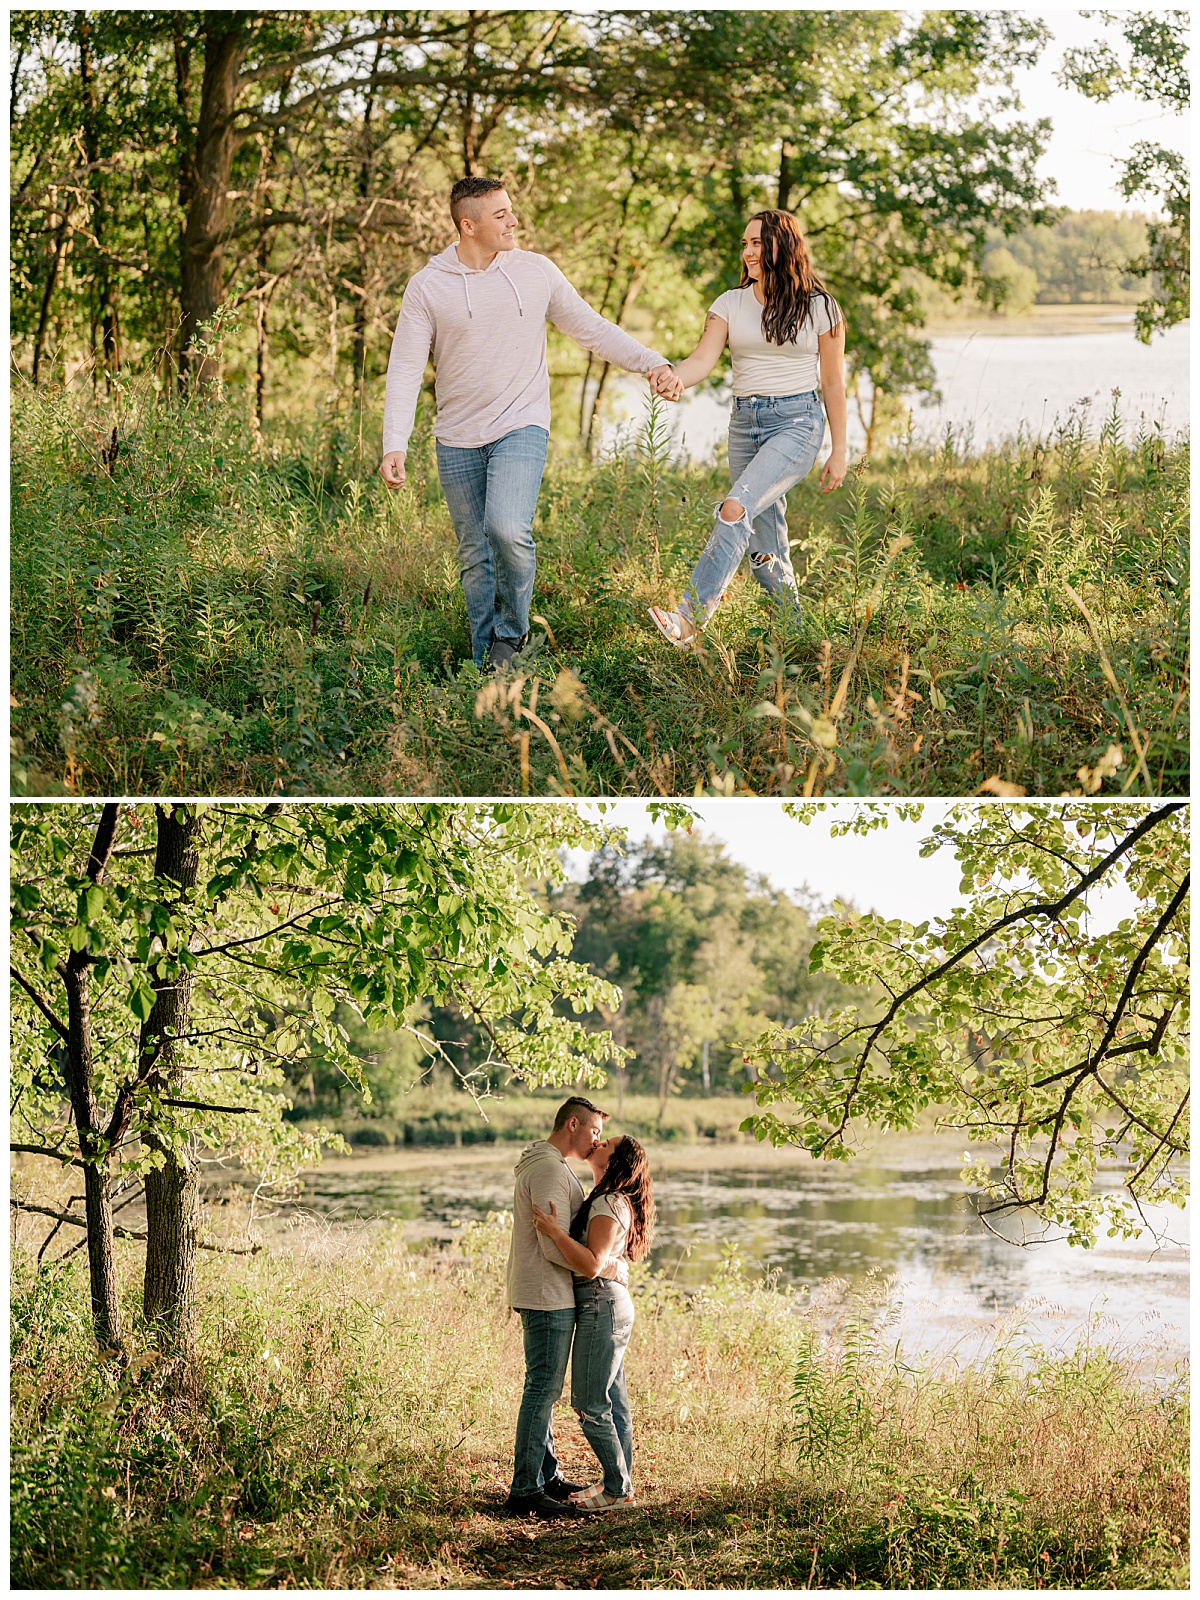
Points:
[(594, 1499), (677, 629)]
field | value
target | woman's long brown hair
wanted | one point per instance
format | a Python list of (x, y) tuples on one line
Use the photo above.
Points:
[(788, 280), (628, 1173)]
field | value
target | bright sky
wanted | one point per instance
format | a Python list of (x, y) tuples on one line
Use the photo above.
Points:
[(881, 871), (1089, 137)]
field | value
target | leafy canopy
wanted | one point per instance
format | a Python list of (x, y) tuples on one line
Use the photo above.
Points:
[(1020, 1017), (297, 907)]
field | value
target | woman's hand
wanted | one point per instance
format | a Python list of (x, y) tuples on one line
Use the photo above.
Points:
[(546, 1222), (665, 382), (833, 473)]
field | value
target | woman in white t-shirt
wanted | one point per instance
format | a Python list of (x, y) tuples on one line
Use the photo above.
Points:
[(787, 338), (615, 1223)]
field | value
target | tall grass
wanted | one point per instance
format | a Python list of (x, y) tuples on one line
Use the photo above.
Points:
[(196, 610), (350, 1424)]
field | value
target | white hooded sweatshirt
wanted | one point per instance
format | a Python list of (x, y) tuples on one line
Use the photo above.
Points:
[(487, 330), (538, 1278)]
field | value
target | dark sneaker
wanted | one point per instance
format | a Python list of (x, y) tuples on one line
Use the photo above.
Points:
[(538, 1505), (501, 652), (559, 1487)]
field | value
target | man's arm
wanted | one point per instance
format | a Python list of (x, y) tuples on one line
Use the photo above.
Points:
[(406, 370), (553, 1184), (569, 311)]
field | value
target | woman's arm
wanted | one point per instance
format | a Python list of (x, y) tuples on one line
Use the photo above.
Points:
[(588, 1260), (696, 367), (832, 348)]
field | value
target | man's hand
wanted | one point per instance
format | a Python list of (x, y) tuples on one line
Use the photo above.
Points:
[(834, 471), (663, 382), (392, 469)]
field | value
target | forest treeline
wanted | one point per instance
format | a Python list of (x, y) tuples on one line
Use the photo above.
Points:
[(1083, 258), (706, 956), (248, 191), (244, 193)]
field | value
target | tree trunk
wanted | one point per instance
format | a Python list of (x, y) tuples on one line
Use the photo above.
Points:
[(172, 1190), (80, 1066), (203, 264), (736, 192), (666, 1081), (704, 1074), (39, 342), (787, 179), (106, 303), (260, 368), (184, 159), (364, 189)]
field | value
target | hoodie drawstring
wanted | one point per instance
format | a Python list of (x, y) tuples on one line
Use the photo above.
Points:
[(512, 286), (449, 262)]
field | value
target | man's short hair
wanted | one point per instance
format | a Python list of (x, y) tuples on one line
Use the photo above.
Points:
[(467, 190), (574, 1107)]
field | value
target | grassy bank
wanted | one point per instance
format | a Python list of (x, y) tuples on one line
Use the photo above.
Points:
[(351, 1419), (430, 1117), (193, 612)]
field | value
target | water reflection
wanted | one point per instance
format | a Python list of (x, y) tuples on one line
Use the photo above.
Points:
[(904, 1214)]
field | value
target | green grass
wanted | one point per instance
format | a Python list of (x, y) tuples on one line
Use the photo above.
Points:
[(349, 1424), (198, 615)]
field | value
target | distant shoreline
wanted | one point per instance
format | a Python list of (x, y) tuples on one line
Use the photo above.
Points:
[(1037, 322), (944, 1148)]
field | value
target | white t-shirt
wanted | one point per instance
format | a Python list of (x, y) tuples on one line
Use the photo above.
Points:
[(618, 1208), (763, 368)]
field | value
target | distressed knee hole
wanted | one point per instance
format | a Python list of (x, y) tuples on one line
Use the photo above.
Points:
[(732, 511), (761, 558)]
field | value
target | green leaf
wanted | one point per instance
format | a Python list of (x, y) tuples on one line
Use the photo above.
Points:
[(141, 1000)]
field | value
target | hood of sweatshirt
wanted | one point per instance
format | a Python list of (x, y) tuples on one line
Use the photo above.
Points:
[(448, 262), (543, 1150)]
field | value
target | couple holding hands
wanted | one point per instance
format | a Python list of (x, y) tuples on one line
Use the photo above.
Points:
[(481, 308)]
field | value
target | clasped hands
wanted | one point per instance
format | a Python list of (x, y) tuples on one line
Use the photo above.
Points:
[(665, 383)]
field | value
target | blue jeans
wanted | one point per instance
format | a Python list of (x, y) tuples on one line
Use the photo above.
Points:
[(603, 1324), (547, 1349), (491, 491), (773, 443)]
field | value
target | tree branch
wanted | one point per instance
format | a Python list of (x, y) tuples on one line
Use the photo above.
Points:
[(102, 844), (1050, 910), (256, 938), (202, 1105), (120, 1232), (1092, 1062), (59, 1027), (42, 1150)]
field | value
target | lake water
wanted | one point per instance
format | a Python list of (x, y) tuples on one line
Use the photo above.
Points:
[(901, 1210), (993, 382)]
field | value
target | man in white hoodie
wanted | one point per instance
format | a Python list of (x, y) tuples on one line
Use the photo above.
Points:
[(541, 1290), (482, 307)]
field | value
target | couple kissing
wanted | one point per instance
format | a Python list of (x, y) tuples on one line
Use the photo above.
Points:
[(567, 1280)]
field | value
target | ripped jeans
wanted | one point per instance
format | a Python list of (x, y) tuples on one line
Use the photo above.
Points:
[(603, 1324), (773, 443)]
